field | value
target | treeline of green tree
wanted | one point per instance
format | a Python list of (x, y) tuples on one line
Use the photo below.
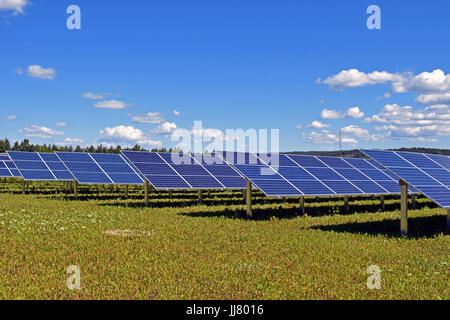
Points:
[(25, 145)]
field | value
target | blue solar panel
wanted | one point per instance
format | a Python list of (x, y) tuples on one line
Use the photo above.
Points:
[(84, 168), (342, 187), (443, 161), (116, 168), (312, 187), (334, 163), (184, 171), (31, 166), (424, 173), (359, 163)]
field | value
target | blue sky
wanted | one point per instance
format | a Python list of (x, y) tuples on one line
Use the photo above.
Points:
[(139, 70)]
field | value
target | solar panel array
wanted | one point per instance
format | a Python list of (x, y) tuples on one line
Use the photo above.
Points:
[(429, 174), (7, 167), (91, 168), (298, 175), (40, 166), (183, 171)]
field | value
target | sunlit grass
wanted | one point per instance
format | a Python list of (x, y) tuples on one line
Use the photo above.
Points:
[(179, 250)]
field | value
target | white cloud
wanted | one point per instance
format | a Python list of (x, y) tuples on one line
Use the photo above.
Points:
[(36, 131), (434, 98), (149, 118), (127, 133), (354, 131), (94, 96), (61, 124), (13, 5), (73, 141), (11, 117), (326, 137), (355, 78), (36, 71), (112, 104), (19, 71), (318, 125), (165, 128), (435, 81), (354, 112), (404, 122), (176, 113), (299, 126)]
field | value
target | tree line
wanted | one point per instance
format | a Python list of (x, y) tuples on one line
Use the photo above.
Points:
[(25, 145)]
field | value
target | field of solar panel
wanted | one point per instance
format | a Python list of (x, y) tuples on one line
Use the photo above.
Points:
[(176, 249)]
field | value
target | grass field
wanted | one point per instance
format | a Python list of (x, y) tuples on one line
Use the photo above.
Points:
[(176, 249)]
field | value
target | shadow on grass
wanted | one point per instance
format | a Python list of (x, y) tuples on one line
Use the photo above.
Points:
[(419, 227)]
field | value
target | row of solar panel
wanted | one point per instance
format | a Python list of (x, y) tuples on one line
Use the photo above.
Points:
[(85, 168), (275, 175), (294, 175), (428, 173)]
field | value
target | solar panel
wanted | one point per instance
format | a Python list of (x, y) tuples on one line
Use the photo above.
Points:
[(84, 168), (7, 168), (96, 168), (425, 173), (183, 171), (313, 176), (263, 176), (34, 166)]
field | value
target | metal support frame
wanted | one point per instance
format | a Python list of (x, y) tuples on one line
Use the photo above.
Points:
[(23, 186), (75, 188), (346, 208), (170, 194), (200, 197), (209, 193), (382, 205), (404, 208), (146, 187), (248, 196), (301, 211), (448, 218), (413, 202)]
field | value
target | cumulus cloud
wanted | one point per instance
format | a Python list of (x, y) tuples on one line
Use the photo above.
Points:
[(73, 141), (326, 137), (14, 5), (112, 104), (434, 98), (61, 124), (176, 113), (354, 112), (36, 71), (165, 128), (405, 122), (126, 134), (354, 78), (36, 131), (11, 117), (94, 96), (149, 118), (318, 125)]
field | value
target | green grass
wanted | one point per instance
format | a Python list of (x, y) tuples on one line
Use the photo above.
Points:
[(179, 250)]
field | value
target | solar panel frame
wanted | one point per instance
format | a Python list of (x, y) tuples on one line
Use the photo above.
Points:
[(29, 159), (405, 174), (5, 167)]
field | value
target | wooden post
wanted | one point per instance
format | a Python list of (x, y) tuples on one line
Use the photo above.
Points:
[(346, 209), (170, 194), (248, 197), (200, 197), (209, 193), (75, 188), (413, 202), (448, 218), (382, 206), (126, 191), (244, 196), (302, 206), (23, 186), (404, 208), (284, 199), (146, 192)]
